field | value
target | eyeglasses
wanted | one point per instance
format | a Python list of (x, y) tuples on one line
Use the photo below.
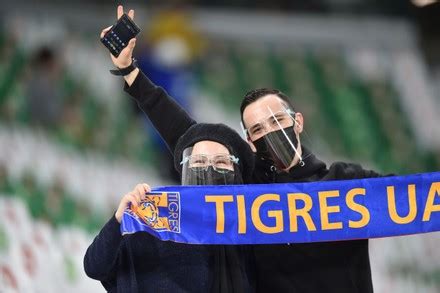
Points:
[(220, 162), (275, 121)]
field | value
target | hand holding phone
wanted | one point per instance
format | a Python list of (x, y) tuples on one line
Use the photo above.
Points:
[(119, 35), (124, 57)]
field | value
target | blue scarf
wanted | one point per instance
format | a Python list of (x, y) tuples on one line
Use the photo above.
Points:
[(290, 213)]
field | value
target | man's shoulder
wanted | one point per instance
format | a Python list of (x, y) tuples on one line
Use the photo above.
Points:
[(344, 170)]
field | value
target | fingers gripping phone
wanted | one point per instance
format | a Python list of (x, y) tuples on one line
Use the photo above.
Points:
[(117, 38)]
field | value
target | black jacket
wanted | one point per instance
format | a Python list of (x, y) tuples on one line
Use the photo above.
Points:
[(314, 267), (341, 266), (141, 263)]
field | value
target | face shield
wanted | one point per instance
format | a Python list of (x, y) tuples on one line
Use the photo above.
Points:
[(209, 169), (272, 130)]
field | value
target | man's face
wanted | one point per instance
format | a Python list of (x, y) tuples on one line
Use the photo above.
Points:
[(257, 118)]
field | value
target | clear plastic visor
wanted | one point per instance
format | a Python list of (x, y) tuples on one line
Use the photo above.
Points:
[(209, 169), (275, 135)]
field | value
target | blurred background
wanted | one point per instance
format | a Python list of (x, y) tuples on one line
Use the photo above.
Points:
[(365, 74)]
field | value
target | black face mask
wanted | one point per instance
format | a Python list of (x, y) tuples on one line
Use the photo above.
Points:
[(276, 147), (209, 176)]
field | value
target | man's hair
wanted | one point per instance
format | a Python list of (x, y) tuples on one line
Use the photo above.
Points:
[(257, 94)]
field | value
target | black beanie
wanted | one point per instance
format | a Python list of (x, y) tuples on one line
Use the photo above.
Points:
[(222, 134)]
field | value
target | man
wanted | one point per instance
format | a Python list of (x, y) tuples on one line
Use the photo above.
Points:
[(273, 131)]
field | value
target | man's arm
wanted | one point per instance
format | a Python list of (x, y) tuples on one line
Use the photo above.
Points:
[(169, 119), (129, 78), (342, 170)]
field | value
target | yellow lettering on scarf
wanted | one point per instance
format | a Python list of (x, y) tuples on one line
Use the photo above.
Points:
[(430, 206), (219, 201), (278, 214), (325, 209), (392, 210), (365, 219), (294, 212), (241, 210)]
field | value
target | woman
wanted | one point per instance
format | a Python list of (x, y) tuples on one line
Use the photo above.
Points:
[(204, 154)]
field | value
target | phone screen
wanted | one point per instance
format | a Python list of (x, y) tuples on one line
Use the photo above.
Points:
[(125, 30), (120, 34)]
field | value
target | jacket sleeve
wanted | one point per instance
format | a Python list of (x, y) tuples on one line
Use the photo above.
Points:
[(168, 117), (341, 170), (101, 256), (365, 173)]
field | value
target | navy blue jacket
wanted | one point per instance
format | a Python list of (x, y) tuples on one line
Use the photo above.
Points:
[(141, 263)]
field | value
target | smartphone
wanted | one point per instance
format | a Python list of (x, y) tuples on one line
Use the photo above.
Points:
[(117, 38)]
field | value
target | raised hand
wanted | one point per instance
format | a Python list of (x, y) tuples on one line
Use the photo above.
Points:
[(125, 57)]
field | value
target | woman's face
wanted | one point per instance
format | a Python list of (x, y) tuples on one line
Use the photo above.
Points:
[(210, 153), (209, 163)]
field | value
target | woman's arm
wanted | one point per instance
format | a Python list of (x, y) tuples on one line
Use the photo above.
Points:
[(101, 256)]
